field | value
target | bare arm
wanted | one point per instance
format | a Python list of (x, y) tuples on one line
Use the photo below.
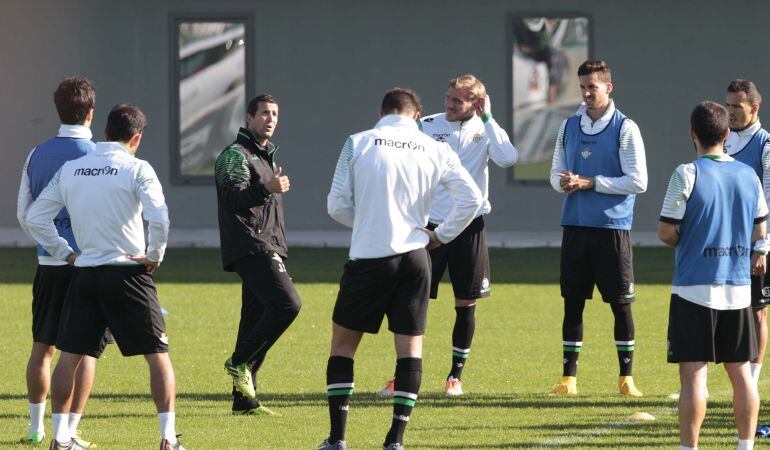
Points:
[(668, 233)]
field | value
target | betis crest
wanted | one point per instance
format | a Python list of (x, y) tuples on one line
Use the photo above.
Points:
[(586, 153)]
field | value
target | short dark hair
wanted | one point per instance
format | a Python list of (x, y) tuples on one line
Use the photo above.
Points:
[(710, 122), (596, 66), (123, 122), (398, 100), (747, 86), (74, 98), (254, 103)]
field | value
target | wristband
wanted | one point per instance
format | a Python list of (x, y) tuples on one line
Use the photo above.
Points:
[(761, 246), (486, 116)]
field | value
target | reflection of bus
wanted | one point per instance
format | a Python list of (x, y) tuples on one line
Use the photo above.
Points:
[(211, 97), (545, 91)]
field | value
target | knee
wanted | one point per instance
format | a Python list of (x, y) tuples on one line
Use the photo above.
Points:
[(42, 352), (293, 306), (621, 310)]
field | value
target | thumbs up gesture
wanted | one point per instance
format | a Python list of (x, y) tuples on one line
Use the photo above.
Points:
[(279, 183)]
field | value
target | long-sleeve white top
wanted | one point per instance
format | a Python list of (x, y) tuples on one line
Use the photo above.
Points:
[(737, 140), (26, 196), (384, 183), (632, 159), (475, 143), (107, 193)]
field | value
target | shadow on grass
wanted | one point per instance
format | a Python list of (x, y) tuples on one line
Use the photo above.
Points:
[(370, 399), (653, 265), (583, 444)]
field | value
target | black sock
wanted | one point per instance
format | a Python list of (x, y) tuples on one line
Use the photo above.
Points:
[(624, 337), (572, 335), (407, 385), (339, 388), (462, 336)]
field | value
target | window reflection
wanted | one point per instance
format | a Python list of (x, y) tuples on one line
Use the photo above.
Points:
[(212, 72), (546, 54)]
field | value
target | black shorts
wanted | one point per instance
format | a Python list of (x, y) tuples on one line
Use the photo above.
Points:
[(760, 290), (395, 286), (122, 298), (700, 334), (598, 256), (468, 259), (49, 291)]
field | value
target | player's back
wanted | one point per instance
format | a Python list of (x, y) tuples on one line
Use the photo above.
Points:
[(101, 193), (395, 170)]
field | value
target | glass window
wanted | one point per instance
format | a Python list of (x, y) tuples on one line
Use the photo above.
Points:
[(545, 54), (209, 93)]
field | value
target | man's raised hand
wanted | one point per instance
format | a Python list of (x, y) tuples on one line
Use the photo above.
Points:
[(279, 183)]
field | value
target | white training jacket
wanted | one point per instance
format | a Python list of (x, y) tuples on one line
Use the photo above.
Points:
[(384, 183), (475, 142), (106, 193)]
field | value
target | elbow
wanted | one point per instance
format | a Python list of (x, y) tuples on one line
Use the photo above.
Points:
[(668, 234), (511, 159), (639, 184), (332, 210), (556, 184), (31, 223)]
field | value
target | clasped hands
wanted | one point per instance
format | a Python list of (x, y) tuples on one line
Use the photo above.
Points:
[(571, 182)]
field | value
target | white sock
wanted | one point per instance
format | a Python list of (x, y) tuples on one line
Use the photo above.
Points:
[(74, 421), (755, 369), (682, 447), (168, 426), (61, 429), (745, 445), (36, 414)]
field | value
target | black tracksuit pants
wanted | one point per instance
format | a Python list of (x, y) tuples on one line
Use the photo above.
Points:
[(270, 303)]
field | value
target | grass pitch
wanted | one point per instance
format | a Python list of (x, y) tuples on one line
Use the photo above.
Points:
[(516, 357)]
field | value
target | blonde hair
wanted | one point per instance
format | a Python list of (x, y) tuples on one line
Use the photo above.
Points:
[(470, 83)]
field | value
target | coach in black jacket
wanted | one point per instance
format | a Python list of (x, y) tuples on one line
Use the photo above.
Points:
[(253, 242)]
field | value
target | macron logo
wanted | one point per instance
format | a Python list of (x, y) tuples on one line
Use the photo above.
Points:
[(411, 145), (719, 252), (96, 171)]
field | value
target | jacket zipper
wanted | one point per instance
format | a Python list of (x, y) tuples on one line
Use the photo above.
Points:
[(271, 155), (263, 218)]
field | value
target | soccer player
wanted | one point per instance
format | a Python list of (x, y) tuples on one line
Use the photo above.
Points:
[(383, 185), (250, 190), (599, 164), (74, 99), (749, 143), (107, 193), (711, 209), (470, 130)]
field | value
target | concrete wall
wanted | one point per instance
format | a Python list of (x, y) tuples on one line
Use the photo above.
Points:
[(330, 61)]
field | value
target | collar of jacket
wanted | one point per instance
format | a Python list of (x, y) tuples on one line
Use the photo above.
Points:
[(246, 139), (397, 120)]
